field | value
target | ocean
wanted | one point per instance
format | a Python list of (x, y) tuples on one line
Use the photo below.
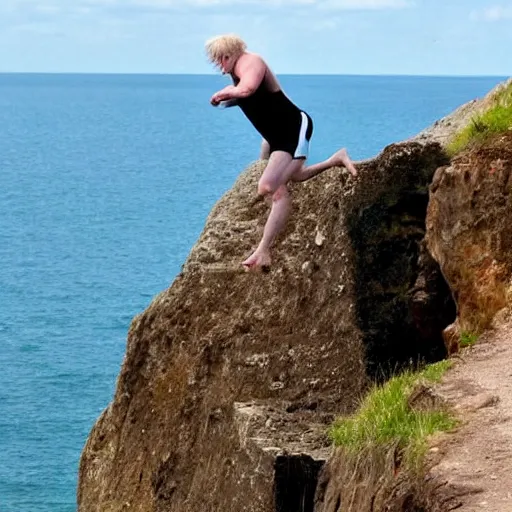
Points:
[(105, 185)]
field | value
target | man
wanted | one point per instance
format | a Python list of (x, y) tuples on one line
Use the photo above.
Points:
[(286, 131)]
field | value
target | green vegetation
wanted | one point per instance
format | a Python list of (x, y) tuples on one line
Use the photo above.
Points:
[(434, 372), (385, 417), (467, 339), (497, 119)]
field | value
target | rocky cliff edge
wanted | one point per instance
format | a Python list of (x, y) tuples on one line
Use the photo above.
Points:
[(230, 380)]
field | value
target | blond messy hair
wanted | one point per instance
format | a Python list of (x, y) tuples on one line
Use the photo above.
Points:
[(227, 44)]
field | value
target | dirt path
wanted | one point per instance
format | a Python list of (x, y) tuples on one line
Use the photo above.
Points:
[(474, 469)]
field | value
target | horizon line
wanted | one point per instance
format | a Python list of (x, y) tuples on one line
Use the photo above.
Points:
[(137, 73)]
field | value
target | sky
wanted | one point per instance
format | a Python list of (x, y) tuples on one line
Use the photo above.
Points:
[(405, 37)]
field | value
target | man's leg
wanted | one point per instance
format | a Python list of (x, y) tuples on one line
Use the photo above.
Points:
[(340, 158), (273, 183)]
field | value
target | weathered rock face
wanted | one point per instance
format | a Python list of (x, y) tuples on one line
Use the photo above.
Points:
[(230, 380), (401, 298), (470, 232)]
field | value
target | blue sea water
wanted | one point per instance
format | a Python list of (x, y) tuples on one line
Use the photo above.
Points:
[(105, 184)]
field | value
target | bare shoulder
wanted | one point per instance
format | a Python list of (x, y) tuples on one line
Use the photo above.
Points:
[(250, 60)]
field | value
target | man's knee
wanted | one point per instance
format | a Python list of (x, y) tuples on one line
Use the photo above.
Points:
[(281, 192), (266, 187), (275, 193)]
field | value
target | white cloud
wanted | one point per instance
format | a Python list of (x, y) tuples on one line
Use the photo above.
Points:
[(366, 4), (495, 13), (48, 8), (44, 29), (337, 4), (51, 5), (43, 16)]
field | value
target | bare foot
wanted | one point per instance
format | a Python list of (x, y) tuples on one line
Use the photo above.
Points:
[(257, 261), (341, 158)]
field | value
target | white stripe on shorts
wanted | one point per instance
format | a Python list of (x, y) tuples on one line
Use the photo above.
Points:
[(302, 149)]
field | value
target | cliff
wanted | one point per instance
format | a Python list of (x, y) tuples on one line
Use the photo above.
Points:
[(230, 380), (468, 233)]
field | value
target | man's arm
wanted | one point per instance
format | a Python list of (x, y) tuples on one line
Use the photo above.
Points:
[(251, 72)]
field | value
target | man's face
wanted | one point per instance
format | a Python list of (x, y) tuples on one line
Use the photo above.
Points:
[(226, 64)]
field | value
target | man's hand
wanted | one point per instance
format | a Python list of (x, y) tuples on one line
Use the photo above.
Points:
[(214, 100), (222, 95)]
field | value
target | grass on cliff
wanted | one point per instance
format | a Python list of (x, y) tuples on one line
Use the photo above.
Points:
[(468, 338), (385, 417), (497, 119)]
